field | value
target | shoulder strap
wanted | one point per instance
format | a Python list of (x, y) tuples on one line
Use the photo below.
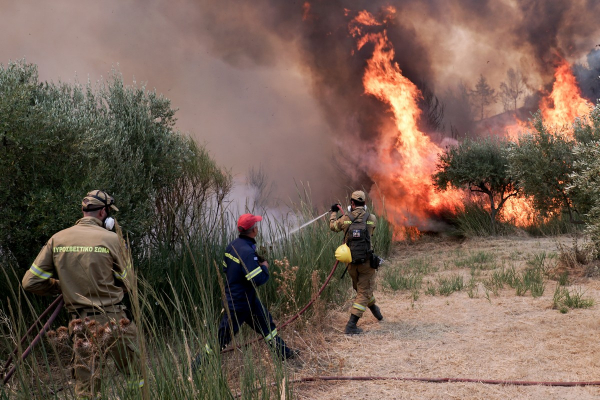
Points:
[(366, 216), (351, 222)]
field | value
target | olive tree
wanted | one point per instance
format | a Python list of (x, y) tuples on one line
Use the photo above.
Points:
[(585, 178), (42, 165), (58, 141), (542, 162), (480, 166)]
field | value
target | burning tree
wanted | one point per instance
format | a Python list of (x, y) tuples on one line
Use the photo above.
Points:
[(481, 167), (588, 179), (542, 162), (586, 176)]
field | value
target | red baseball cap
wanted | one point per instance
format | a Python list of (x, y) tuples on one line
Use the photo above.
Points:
[(247, 221)]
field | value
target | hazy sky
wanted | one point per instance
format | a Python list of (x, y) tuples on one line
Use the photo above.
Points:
[(247, 115), (278, 83)]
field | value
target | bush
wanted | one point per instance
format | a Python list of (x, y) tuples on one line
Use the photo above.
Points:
[(482, 168), (60, 141), (587, 179)]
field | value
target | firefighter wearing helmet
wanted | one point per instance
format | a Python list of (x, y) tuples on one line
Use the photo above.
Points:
[(86, 263), (358, 226)]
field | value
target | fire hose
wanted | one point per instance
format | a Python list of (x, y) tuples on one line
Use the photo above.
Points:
[(295, 317), (442, 380), (433, 380), (396, 378), (57, 305), (299, 313)]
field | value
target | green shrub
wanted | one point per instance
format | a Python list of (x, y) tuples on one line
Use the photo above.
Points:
[(449, 285), (394, 279), (59, 141), (474, 221), (478, 260), (565, 299)]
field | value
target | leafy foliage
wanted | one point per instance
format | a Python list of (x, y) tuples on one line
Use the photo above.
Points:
[(481, 167), (59, 141), (542, 162), (587, 178), (42, 162)]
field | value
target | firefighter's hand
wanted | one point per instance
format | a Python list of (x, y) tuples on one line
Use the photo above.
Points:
[(265, 264), (336, 207), (55, 288)]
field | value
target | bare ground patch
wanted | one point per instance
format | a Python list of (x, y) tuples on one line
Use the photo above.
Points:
[(487, 336)]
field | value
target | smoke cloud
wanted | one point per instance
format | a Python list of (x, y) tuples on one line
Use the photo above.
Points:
[(278, 84)]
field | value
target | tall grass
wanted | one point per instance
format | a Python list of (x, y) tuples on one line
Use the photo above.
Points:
[(555, 225), (179, 303), (474, 220)]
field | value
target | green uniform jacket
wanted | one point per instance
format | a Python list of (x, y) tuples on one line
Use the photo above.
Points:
[(342, 224), (85, 263)]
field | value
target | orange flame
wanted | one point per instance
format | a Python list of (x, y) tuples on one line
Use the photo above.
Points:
[(519, 211), (559, 110), (406, 157), (564, 104)]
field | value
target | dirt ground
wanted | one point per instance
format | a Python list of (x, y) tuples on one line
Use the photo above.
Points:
[(495, 337)]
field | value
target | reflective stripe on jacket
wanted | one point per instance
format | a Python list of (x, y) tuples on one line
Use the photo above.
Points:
[(243, 273), (84, 262), (343, 223)]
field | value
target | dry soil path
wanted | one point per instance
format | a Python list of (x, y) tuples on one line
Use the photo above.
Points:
[(502, 337)]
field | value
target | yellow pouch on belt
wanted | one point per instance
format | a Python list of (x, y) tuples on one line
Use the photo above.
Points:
[(343, 254)]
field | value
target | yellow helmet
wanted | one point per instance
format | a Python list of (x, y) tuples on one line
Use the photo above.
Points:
[(343, 254)]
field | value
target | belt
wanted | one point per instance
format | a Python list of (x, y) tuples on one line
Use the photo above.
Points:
[(97, 310)]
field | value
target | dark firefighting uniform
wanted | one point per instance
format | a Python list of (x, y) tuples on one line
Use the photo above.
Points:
[(363, 276), (243, 274), (85, 263)]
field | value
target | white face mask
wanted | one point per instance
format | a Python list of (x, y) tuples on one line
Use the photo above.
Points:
[(109, 223), (350, 208)]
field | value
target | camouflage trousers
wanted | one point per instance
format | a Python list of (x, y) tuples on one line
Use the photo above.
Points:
[(96, 337), (363, 281)]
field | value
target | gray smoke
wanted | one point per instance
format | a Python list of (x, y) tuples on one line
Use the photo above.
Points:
[(279, 83)]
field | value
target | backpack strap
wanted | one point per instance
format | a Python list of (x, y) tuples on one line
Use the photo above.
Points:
[(351, 222)]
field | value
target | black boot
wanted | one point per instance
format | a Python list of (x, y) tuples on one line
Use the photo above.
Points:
[(376, 312), (351, 328), (288, 354), (283, 351)]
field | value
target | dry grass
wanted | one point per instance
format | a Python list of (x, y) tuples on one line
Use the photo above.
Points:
[(504, 336)]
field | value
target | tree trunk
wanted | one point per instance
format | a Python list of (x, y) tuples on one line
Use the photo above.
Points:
[(493, 212)]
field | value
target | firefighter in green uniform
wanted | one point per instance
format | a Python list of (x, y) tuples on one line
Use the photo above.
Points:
[(87, 265), (358, 227)]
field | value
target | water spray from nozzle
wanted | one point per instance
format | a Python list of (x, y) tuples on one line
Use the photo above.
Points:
[(300, 227)]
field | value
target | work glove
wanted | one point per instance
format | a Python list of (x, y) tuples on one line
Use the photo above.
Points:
[(335, 207), (262, 254)]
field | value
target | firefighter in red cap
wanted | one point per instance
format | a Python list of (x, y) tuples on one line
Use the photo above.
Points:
[(244, 271), (358, 227), (87, 265)]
